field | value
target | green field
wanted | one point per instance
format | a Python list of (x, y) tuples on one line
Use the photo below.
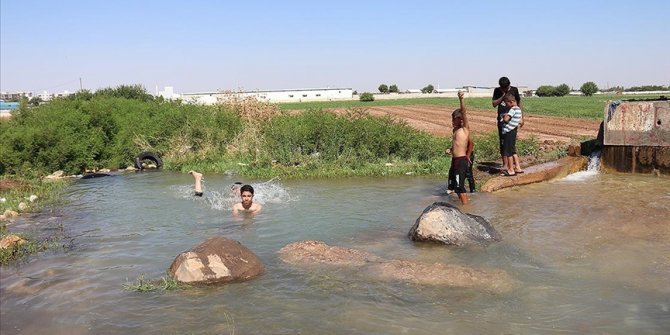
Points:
[(567, 106)]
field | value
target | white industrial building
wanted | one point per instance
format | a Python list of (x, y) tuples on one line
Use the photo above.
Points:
[(285, 95)]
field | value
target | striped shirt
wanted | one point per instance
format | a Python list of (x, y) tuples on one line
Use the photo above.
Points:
[(515, 114)]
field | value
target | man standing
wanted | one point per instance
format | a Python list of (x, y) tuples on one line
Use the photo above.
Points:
[(498, 101)]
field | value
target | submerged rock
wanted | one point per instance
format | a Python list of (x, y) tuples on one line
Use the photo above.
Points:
[(317, 252), (442, 274), (216, 260), (444, 223)]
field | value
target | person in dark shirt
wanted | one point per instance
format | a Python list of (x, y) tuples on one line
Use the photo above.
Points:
[(499, 94)]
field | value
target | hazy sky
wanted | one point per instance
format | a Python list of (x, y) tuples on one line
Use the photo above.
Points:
[(212, 45)]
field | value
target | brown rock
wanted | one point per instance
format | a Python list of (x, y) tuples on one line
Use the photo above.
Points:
[(442, 274), (10, 241), (317, 252), (574, 150), (216, 260)]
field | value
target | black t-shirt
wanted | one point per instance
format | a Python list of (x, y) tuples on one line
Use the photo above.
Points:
[(498, 92)]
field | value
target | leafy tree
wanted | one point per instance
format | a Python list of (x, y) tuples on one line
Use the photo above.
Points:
[(35, 101), (132, 92), (588, 88), (428, 89), (393, 88), (366, 96), (546, 91), (562, 90), (383, 88)]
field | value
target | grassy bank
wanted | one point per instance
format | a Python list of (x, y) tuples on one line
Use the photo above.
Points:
[(566, 106), (26, 195)]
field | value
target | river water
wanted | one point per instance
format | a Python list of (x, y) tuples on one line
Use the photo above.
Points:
[(591, 254)]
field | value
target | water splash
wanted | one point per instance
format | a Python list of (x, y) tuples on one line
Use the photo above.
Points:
[(592, 169), (221, 198)]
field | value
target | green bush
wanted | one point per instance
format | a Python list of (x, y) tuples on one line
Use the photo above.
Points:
[(350, 139), (562, 90), (589, 88), (77, 134), (546, 91), (366, 96)]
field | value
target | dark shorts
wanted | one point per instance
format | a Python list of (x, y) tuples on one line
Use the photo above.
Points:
[(457, 174), (198, 194), (500, 125), (509, 143)]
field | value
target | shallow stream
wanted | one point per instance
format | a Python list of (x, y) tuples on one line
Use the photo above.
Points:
[(591, 253)]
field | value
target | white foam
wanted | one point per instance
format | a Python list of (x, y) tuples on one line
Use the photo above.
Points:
[(270, 191), (593, 169)]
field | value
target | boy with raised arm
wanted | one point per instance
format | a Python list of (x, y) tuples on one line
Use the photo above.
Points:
[(459, 150)]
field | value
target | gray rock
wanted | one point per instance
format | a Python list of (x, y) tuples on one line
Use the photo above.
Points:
[(216, 260), (444, 223)]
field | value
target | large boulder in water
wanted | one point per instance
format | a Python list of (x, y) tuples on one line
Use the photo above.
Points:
[(216, 260), (444, 223)]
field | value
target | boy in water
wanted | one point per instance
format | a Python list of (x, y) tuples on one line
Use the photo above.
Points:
[(459, 150), (512, 120), (247, 204)]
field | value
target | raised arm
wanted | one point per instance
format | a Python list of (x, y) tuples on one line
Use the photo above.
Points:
[(465, 117)]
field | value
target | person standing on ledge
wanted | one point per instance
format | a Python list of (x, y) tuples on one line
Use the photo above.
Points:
[(498, 100)]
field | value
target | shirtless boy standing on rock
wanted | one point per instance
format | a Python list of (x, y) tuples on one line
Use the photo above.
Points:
[(459, 148)]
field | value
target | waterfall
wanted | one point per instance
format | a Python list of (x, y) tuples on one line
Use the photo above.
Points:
[(592, 169)]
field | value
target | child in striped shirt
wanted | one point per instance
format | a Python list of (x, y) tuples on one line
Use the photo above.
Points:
[(512, 120)]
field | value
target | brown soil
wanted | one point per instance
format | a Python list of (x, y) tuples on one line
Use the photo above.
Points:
[(7, 185), (437, 120)]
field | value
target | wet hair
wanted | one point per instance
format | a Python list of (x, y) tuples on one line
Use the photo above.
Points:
[(236, 185), (504, 82), (457, 114), (247, 188)]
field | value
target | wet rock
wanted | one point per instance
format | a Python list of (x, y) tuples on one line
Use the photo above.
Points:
[(216, 260), (8, 214), (442, 274), (22, 206), (574, 150), (317, 252), (444, 223), (10, 241)]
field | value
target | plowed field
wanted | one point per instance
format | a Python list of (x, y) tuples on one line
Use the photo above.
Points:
[(437, 120)]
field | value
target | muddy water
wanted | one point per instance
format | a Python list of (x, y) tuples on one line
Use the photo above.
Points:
[(591, 254)]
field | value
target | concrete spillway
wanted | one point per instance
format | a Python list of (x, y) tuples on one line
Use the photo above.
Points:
[(636, 136)]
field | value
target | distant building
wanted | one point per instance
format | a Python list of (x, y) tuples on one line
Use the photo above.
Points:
[(285, 95), (14, 96)]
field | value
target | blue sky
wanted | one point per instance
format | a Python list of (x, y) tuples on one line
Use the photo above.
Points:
[(213, 45)]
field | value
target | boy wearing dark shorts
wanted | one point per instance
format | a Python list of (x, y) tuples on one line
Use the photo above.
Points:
[(512, 121), (459, 150)]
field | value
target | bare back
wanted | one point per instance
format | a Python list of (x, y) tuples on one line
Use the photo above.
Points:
[(459, 145)]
